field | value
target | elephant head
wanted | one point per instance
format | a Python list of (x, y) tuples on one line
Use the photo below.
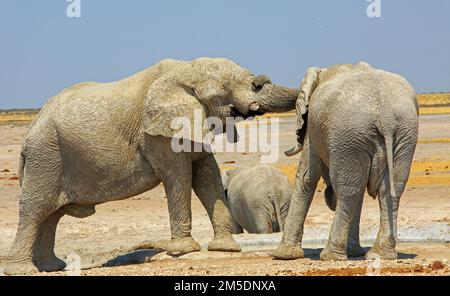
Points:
[(227, 176), (219, 88)]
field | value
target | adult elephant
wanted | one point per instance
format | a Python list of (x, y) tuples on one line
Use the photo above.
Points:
[(99, 142), (258, 198), (361, 131)]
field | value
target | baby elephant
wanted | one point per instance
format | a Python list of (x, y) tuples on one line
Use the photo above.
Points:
[(258, 198)]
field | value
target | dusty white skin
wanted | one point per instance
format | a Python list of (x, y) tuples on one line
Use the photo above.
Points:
[(361, 133), (98, 142), (258, 198)]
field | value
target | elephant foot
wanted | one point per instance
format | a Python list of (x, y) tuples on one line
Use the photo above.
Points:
[(181, 246), (383, 253), (355, 251), (224, 244), (329, 255), (50, 263), (286, 252), (15, 267)]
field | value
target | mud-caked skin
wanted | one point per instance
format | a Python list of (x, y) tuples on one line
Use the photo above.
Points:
[(258, 198), (99, 142), (362, 133)]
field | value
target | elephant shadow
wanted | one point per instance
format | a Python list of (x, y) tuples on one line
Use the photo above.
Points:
[(133, 257), (314, 254), (144, 255)]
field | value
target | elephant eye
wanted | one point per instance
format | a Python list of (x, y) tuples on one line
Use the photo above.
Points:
[(259, 82), (257, 87)]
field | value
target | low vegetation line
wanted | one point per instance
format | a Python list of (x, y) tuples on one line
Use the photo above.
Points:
[(431, 103)]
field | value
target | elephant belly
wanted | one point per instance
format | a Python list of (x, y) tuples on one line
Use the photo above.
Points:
[(113, 177)]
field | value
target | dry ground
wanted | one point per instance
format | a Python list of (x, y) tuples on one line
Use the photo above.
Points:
[(105, 241)]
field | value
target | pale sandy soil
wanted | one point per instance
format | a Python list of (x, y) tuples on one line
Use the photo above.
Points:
[(107, 238)]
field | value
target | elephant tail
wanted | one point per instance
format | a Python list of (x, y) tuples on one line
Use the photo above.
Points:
[(387, 130), (388, 140)]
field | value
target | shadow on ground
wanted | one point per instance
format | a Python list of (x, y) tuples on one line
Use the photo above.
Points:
[(136, 257), (146, 255), (314, 254)]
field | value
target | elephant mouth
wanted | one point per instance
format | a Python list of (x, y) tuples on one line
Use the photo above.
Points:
[(234, 112)]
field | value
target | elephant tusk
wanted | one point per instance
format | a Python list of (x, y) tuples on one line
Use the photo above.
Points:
[(254, 106), (294, 150)]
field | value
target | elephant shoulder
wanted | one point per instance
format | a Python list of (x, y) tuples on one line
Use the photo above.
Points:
[(168, 65), (363, 66)]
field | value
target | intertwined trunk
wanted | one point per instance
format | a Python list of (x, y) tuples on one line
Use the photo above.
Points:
[(274, 98)]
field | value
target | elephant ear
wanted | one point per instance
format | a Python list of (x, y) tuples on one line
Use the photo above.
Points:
[(307, 87), (172, 110)]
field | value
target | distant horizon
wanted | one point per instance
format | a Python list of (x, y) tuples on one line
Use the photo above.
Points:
[(43, 50)]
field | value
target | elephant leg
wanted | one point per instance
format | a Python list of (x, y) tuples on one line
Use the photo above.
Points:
[(43, 254), (354, 248), (37, 201), (336, 248), (349, 177), (33, 226), (207, 184), (306, 179), (177, 184), (20, 257), (385, 242)]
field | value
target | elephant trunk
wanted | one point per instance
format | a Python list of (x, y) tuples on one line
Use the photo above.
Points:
[(274, 98)]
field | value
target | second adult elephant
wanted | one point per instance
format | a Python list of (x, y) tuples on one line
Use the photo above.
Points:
[(361, 132), (258, 198)]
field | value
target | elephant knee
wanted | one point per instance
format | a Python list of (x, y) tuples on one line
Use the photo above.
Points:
[(308, 177), (308, 182)]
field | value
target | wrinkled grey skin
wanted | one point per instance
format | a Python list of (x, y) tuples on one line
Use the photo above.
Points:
[(258, 198), (99, 142), (361, 133)]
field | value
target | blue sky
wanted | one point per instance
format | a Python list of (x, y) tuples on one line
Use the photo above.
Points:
[(43, 51)]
